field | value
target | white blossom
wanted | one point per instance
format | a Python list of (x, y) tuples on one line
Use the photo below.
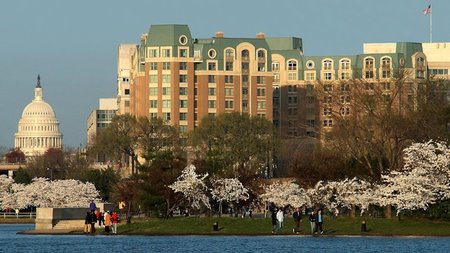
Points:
[(192, 186), (284, 194)]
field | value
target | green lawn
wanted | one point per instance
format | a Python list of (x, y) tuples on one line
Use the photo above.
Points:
[(261, 226)]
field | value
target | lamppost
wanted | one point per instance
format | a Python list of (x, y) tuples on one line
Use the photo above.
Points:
[(51, 173)]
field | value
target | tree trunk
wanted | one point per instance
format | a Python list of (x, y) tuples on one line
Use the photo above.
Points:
[(128, 214), (353, 211), (388, 212), (220, 208)]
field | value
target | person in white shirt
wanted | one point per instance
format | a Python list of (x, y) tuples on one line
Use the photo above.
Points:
[(280, 218)]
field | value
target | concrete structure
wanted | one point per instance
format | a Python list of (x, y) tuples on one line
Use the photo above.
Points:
[(100, 118), (38, 128)]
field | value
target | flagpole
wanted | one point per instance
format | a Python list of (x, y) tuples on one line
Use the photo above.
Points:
[(431, 25)]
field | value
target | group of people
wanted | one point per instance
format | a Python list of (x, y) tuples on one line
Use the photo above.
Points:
[(108, 220), (315, 219)]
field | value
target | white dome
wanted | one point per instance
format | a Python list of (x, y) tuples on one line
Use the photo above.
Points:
[(38, 109), (38, 128)]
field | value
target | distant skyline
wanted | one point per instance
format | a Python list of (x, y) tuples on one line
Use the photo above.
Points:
[(73, 44)]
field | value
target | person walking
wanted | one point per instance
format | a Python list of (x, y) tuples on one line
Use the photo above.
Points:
[(107, 218), (274, 221), (319, 222), (297, 215), (114, 221), (280, 218), (87, 223), (312, 221), (93, 221)]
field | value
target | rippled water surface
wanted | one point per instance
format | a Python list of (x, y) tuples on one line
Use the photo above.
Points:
[(12, 242)]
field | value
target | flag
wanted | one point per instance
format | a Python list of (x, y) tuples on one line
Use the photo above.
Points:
[(427, 10)]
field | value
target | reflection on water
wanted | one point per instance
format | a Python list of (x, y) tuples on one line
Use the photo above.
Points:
[(13, 242)]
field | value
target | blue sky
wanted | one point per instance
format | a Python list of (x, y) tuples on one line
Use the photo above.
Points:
[(73, 44)]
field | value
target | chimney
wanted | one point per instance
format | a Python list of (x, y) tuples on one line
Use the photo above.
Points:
[(144, 37), (260, 35), (219, 34)]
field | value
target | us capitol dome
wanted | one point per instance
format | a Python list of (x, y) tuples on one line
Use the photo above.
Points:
[(38, 128)]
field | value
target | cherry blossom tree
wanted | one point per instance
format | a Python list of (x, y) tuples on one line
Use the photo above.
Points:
[(424, 180), (350, 193), (44, 193), (192, 186), (228, 190), (285, 194)]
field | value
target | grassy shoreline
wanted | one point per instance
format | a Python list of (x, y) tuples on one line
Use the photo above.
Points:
[(262, 226)]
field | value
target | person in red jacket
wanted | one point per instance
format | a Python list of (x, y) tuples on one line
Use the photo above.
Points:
[(114, 220)]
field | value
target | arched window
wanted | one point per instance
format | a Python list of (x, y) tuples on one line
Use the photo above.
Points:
[(261, 54), (245, 54), (420, 61), (275, 66), (369, 67), (292, 65), (385, 67), (327, 64), (345, 64)]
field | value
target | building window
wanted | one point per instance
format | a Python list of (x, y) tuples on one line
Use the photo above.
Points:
[(310, 76), (327, 100), (328, 76), (165, 52), (183, 103), (183, 78), (183, 91), (153, 78), (369, 86), (229, 91), (345, 75), (183, 66), (183, 40), (328, 87), (292, 76), (183, 116), (369, 68), (166, 78), (183, 53), (386, 62), (153, 103), (292, 65), (211, 79), (166, 116), (245, 55), (212, 53), (345, 64), (127, 91), (152, 53), (228, 66), (345, 111), (127, 103), (420, 62), (211, 103), (275, 66), (153, 115), (183, 129), (276, 77), (292, 88), (166, 103), (386, 86), (261, 92), (327, 111), (292, 100), (229, 79), (244, 104), (211, 91), (166, 91), (345, 87), (166, 65), (261, 104), (229, 104), (261, 67), (153, 66), (153, 91), (344, 99), (211, 66), (328, 123), (327, 65), (229, 54), (260, 79)]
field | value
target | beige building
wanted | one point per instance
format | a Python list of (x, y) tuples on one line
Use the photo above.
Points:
[(123, 77), (38, 128), (100, 118)]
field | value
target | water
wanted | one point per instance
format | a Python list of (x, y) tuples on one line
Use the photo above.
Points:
[(12, 242)]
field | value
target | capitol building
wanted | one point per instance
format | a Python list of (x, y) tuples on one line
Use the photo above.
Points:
[(38, 128)]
